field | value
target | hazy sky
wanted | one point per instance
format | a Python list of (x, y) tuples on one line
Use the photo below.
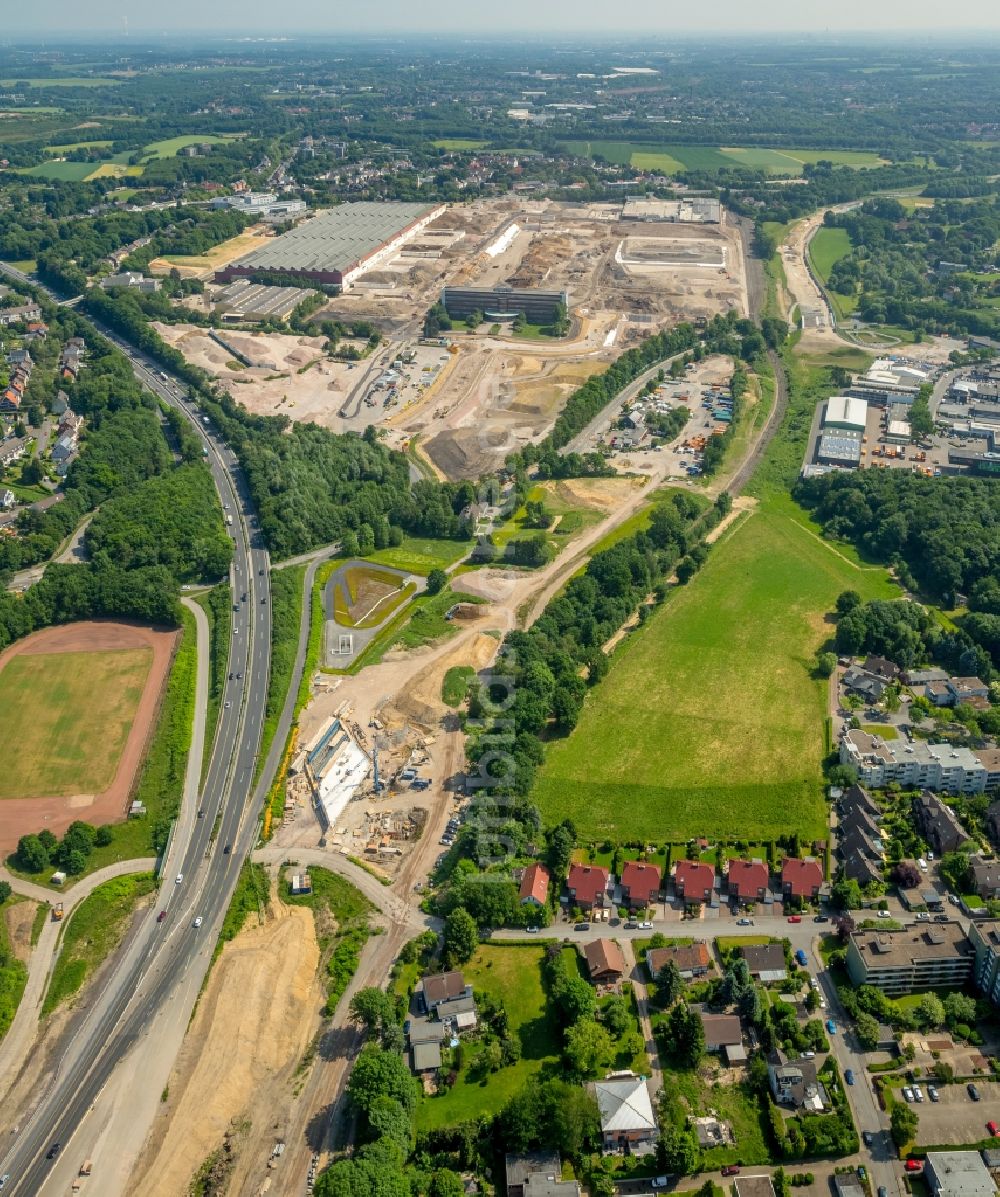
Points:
[(568, 17)]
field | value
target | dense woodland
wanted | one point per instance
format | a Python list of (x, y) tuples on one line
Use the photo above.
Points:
[(942, 536), (894, 267)]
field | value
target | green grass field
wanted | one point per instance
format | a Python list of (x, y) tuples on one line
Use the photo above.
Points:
[(673, 159), (92, 932), (76, 145), (827, 247), (709, 721), (419, 556), (171, 145), (69, 715), (68, 172), (457, 143), (63, 81)]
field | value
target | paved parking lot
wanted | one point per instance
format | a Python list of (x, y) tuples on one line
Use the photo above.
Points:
[(956, 1118)]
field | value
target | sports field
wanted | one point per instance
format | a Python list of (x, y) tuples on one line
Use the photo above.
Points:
[(69, 715), (709, 721)]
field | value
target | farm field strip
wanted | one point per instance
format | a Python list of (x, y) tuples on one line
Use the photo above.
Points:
[(673, 159), (709, 721)]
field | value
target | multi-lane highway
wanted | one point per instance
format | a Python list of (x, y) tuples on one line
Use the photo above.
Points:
[(202, 870)]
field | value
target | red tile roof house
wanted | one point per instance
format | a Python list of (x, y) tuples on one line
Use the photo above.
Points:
[(749, 880), (535, 885), (694, 881), (586, 885), (640, 883), (801, 878)]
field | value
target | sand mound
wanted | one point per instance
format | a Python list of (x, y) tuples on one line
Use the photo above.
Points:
[(254, 1021), (421, 701)]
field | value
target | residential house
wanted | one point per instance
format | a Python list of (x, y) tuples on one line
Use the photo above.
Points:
[(605, 961), (692, 960), (60, 403), (857, 842), (70, 423), (957, 1174), (640, 883), (538, 1175), (587, 885), (63, 449), (985, 877), (866, 685), (534, 889), (7, 499), (794, 1083), (721, 1031), (749, 880), (694, 881), (934, 956), (857, 867), (36, 330), (856, 798), (938, 823), (801, 878), (938, 693), (989, 758), (765, 961), (920, 677), (966, 689), (626, 1112), (12, 450), (435, 988), (10, 400), (882, 668), (460, 1011), (860, 820), (984, 935), (25, 313)]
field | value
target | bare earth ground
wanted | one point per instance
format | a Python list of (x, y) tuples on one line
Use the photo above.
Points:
[(24, 815), (252, 1026), (19, 919), (217, 257)]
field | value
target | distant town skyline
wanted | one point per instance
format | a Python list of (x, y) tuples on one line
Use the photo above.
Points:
[(436, 17)]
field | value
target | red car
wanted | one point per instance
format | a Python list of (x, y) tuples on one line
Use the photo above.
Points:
[(993, 1129), (731, 1170), (161, 916), (913, 1165), (795, 918)]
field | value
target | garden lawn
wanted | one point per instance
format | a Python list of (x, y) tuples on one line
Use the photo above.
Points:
[(709, 721), (417, 555), (512, 974), (696, 1094)]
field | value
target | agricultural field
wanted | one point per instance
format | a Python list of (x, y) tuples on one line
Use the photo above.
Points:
[(77, 145), (673, 159), (457, 143), (69, 714), (63, 81), (172, 145), (710, 721), (66, 172)]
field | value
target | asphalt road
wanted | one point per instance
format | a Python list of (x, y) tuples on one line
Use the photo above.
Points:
[(206, 864)]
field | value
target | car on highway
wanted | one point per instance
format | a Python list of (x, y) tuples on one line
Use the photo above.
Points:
[(831, 1026), (972, 1091), (849, 1076), (197, 922), (201, 812), (161, 916), (53, 1151), (227, 849), (227, 704), (178, 879)]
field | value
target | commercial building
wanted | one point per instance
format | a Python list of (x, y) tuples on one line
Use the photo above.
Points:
[(336, 246), (958, 1174), (503, 303), (690, 210), (846, 411), (839, 448), (931, 766), (244, 302), (935, 956), (131, 280), (889, 381), (262, 204)]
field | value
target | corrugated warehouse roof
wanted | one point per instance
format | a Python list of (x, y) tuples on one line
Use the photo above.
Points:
[(846, 411)]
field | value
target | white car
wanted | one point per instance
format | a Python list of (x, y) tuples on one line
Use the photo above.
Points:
[(884, 914), (908, 1094), (645, 926), (918, 1093), (178, 879), (198, 921)]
